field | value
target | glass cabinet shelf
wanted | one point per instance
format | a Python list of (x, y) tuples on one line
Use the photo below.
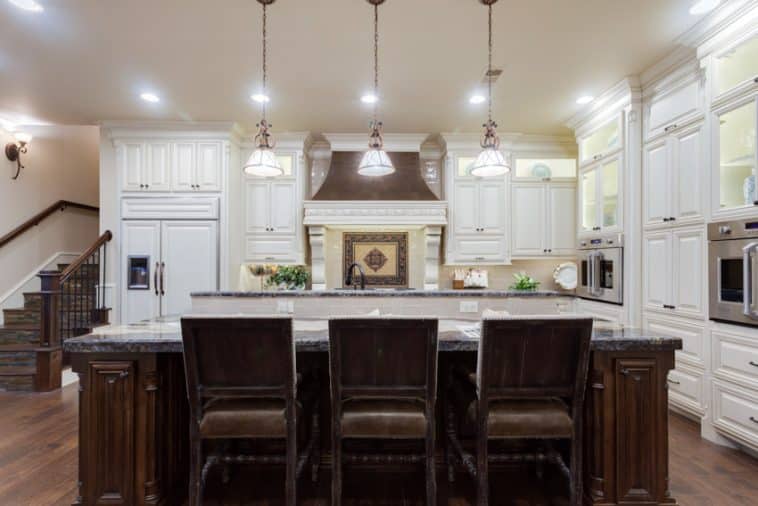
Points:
[(545, 168), (737, 156), (603, 140), (736, 66)]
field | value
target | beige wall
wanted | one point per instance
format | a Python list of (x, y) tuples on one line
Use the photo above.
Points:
[(62, 163), (500, 277)]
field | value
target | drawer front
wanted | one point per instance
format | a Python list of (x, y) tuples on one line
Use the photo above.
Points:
[(269, 249), (686, 390), (480, 249), (735, 358), (735, 412), (692, 336)]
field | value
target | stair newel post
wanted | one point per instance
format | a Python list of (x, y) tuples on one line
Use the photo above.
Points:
[(50, 312)]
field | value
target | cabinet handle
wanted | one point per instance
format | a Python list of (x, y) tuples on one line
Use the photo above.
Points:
[(755, 80), (753, 363), (752, 419), (672, 218), (668, 306), (674, 382), (163, 268), (669, 128), (123, 374), (666, 219), (625, 372), (755, 202), (155, 277)]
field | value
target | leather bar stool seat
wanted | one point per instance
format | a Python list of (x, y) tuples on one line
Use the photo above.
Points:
[(245, 418), (384, 418), (525, 418)]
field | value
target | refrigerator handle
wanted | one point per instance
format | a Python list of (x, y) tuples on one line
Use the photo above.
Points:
[(155, 277), (163, 270)]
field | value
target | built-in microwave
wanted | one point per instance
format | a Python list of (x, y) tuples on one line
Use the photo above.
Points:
[(733, 271), (601, 269)]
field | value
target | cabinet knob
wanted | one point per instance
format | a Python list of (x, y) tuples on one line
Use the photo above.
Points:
[(755, 80)]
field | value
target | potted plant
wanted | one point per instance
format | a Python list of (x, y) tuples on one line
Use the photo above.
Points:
[(524, 282), (289, 277)]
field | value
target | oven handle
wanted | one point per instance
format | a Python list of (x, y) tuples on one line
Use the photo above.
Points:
[(747, 280), (596, 290), (590, 273)]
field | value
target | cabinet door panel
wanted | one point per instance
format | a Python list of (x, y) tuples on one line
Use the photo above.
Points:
[(687, 271), (133, 166), (257, 207), (491, 206), (109, 448), (189, 263), (529, 220), (657, 262), (687, 175), (158, 168), (657, 177), (183, 171), (208, 174), (466, 206), (588, 190), (140, 238), (561, 223), (610, 193), (282, 213), (636, 430), (480, 249)]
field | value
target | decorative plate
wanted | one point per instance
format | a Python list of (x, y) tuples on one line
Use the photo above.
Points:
[(565, 275), (539, 169)]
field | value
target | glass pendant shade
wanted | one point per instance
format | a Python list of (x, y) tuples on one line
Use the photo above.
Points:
[(375, 162), (263, 163), (490, 163)]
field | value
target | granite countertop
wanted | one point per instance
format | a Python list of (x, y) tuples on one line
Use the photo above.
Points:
[(389, 292), (164, 336)]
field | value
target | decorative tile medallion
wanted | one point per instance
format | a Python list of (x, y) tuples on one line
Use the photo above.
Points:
[(383, 257)]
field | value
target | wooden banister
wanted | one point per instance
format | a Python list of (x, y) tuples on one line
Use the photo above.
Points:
[(37, 218), (73, 266)]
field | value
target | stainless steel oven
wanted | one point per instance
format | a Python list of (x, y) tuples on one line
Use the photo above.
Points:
[(601, 269), (733, 271)]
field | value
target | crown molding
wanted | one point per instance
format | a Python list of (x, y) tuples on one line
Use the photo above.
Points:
[(227, 130), (392, 142), (610, 102), (716, 21)]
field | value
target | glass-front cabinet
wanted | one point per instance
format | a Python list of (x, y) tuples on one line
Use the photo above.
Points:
[(599, 196), (601, 142), (735, 154), (735, 69), (545, 169)]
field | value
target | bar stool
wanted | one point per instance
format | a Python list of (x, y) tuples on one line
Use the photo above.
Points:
[(529, 384), (242, 384), (383, 374)]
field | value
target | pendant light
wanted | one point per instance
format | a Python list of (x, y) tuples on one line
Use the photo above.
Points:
[(263, 161), (490, 162), (375, 161)]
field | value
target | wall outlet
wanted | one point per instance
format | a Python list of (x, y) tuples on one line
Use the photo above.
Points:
[(285, 306), (469, 306)]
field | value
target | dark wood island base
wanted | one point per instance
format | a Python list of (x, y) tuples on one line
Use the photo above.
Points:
[(134, 442)]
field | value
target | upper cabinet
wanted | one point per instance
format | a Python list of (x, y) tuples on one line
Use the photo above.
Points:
[(674, 106), (600, 196), (543, 219), (544, 169), (601, 142), (673, 178), (735, 68), (162, 166)]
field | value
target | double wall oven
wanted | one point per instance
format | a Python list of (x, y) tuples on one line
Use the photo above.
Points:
[(733, 271), (601, 269)]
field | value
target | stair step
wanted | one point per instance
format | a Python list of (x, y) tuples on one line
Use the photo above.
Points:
[(22, 347), (18, 371), (17, 359), (33, 300), (19, 318), (19, 336)]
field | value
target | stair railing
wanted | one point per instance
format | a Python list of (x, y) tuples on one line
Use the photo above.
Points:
[(40, 216), (73, 301)]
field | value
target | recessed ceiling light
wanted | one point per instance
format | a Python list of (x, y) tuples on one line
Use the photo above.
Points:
[(704, 6), (260, 98), (585, 99), (150, 97), (27, 5), (477, 99), (369, 98)]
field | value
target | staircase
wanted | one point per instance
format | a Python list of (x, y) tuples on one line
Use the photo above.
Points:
[(68, 304)]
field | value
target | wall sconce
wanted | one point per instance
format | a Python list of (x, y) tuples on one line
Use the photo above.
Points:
[(14, 150)]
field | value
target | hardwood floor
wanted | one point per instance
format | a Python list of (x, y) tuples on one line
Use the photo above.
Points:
[(38, 457)]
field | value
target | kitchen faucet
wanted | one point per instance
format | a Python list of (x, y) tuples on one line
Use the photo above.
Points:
[(349, 278)]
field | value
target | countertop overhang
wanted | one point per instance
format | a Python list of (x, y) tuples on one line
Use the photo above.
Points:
[(388, 293), (164, 336)]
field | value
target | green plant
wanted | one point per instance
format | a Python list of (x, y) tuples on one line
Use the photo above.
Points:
[(290, 276), (524, 282)]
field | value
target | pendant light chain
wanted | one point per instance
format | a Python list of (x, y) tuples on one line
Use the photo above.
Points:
[(376, 59), (489, 64), (265, 67)]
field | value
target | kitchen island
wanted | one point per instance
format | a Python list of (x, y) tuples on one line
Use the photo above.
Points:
[(133, 409)]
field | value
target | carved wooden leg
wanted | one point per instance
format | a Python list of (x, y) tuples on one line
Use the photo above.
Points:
[(483, 488), (431, 478), (449, 452), (336, 470), (196, 456), (209, 462), (291, 471), (316, 438), (576, 469)]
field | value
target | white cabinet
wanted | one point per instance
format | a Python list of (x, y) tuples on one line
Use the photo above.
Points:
[(162, 166), (197, 166), (543, 221), (600, 196), (602, 141), (271, 218), (674, 276), (672, 178), (181, 257), (478, 215), (674, 107), (735, 412), (735, 67)]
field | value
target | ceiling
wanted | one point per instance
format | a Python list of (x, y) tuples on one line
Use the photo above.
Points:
[(80, 62)]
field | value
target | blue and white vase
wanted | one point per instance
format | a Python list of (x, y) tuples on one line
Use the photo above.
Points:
[(748, 190)]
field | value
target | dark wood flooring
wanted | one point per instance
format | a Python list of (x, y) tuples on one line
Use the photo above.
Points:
[(38, 456)]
